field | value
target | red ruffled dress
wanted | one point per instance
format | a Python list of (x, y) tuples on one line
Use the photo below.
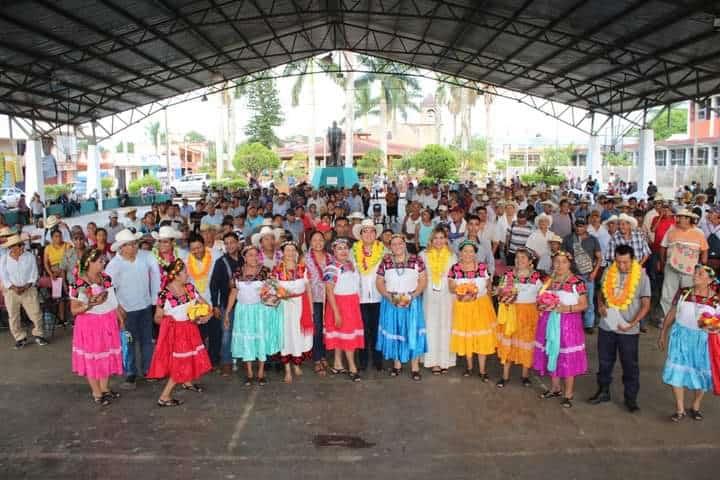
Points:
[(346, 286), (179, 353)]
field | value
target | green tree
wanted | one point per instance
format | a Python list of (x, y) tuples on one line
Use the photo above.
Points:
[(370, 162), (475, 158), (266, 114), (439, 163), (152, 131), (146, 181), (617, 159), (195, 137), (130, 147), (677, 124), (255, 157), (296, 166), (558, 156)]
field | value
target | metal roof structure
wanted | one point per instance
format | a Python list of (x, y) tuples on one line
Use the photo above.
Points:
[(70, 62)]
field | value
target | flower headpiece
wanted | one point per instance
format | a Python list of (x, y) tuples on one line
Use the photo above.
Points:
[(288, 243), (340, 241), (246, 249), (532, 254), (465, 243), (563, 253), (174, 268), (90, 256)]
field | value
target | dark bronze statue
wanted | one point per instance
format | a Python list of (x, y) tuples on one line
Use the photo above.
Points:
[(334, 139)]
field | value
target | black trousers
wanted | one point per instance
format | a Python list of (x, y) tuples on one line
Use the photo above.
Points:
[(371, 317), (211, 333), (610, 344)]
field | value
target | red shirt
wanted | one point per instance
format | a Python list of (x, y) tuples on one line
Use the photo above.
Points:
[(661, 226)]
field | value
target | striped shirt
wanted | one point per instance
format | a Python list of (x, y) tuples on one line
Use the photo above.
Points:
[(518, 235)]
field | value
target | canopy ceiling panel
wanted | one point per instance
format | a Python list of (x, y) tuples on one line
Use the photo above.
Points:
[(73, 61)]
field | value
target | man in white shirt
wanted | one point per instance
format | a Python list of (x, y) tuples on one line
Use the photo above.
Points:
[(281, 205), (113, 227), (136, 276), (213, 217), (186, 209), (19, 274)]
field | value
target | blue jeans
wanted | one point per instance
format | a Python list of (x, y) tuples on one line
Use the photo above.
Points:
[(139, 323), (225, 346), (589, 313)]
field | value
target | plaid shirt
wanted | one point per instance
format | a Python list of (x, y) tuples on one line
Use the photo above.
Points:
[(637, 242)]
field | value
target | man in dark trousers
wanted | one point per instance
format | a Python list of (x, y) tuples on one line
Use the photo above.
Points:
[(220, 284), (619, 332)]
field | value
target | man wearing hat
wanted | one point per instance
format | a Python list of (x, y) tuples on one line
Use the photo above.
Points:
[(682, 248), (132, 220), (367, 253), (136, 276), (545, 261), (378, 218), (457, 226), (113, 226), (586, 260), (583, 210), (19, 274), (443, 217), (628, 234)]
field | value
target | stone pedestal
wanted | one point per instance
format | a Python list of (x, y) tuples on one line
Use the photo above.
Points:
[(338, 177)]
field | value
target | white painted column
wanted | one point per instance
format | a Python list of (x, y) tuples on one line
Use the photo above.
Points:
[(93, 173), (646, 159), (349, 109), (594, 158), (34, 181)]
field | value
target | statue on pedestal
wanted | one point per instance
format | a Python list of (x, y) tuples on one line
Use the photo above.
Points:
[(334, 139)]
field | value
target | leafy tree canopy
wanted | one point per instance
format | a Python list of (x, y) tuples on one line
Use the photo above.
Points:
[(254, 158), (439, 163)]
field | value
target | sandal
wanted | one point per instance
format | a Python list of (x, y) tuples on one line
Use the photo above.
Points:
[(319, 369), (338, 371), (111, 395), (467, 372), (416, 376), (526, 382), (443, 371), (501, 383), (436, 371), (193, 388), (248, 381), (354, 377), (173, 402), (695, 415), (549, 394), (484, 377), (566, 402), (677, 416), (102, 401), (262, 381), (395, 372)]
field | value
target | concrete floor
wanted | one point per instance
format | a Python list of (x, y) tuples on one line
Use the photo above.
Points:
[(442, 428)]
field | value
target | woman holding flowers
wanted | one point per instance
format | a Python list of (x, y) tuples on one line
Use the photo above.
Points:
[(179, 353), (437, 303), (473, 327), (401, 279), (96, 352), (257, 327), (343, 322), (518, 315), (559, 338), (296, 304), (685, 334)]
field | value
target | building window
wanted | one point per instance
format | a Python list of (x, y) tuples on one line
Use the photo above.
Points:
[(703, 110), (581, 159), (716, 110), (661, 158), (715, 155), (677, 157), (702, 156)]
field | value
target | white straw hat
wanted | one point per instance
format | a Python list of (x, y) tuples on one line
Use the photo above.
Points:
[(123, 237), (365, 224), (166, 233)]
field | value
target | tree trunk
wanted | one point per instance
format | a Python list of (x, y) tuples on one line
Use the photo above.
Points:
[(383, 129)]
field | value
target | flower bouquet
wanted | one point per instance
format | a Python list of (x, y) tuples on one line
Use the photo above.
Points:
[(198, 310), (710, 322), (271, 293), (548, 301), (466, 292), (401, 300)]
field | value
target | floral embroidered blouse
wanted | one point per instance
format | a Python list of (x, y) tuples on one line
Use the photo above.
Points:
[(173, 301), (262, 274), (456, 272), (412, 262), (315, 275)]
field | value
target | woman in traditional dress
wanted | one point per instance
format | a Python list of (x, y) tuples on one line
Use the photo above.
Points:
[(296, 304), (257, 328), (559, 337), (343, 323), (165, 251), (474, 320), (316, 260), (518, 315), (437, 303), (179, 353), (96, 351), (688, 360), (266, 241), (401, 279)]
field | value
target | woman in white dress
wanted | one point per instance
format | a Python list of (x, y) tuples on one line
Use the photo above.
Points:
[(538, 242), (437, 303), (298, 325)]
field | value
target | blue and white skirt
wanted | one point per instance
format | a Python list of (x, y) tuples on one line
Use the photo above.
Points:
[(688, 360), (401, 331)]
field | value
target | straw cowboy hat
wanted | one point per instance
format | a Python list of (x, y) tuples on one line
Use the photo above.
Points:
[(355, 216), (123, 237), (543, 216), (686, 213), (366, 224), (7, 232), (549, 202), (264, 232), (11, 241), (166, 233), (624, 217), (51, 221), (611, 218), (554, 238), (209, 226), (132, 210)]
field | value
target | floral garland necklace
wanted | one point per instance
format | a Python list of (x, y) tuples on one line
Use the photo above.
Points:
[(199, 270), (367, 261), (438, 259), (622, 300), (161, 260)]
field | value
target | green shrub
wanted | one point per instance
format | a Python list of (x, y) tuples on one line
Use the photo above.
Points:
[(547, 179), (231, 183), (146, 181), (52, 192)]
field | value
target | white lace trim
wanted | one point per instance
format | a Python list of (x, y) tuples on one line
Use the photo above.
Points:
[(346, 336), (475, 333), (517, 343), (400, 338), (191, 353), (96, 356), (686, 368), (577, 348)]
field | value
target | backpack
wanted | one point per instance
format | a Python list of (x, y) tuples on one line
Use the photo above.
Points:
[(583, 261)]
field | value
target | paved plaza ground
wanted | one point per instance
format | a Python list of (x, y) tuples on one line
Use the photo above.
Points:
[(442, 428)]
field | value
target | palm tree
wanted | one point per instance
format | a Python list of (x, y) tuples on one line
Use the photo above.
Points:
[(398, 93), (152, 130), (365, 104), (305, 69), (488, 100)]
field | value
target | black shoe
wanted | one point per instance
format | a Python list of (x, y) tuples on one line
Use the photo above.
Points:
[(20, 344), (589, 330), (41, 341), (631, 405), (602, 395), (129, 383)]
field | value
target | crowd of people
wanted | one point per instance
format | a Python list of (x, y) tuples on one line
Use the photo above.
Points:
[(254, 278)]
